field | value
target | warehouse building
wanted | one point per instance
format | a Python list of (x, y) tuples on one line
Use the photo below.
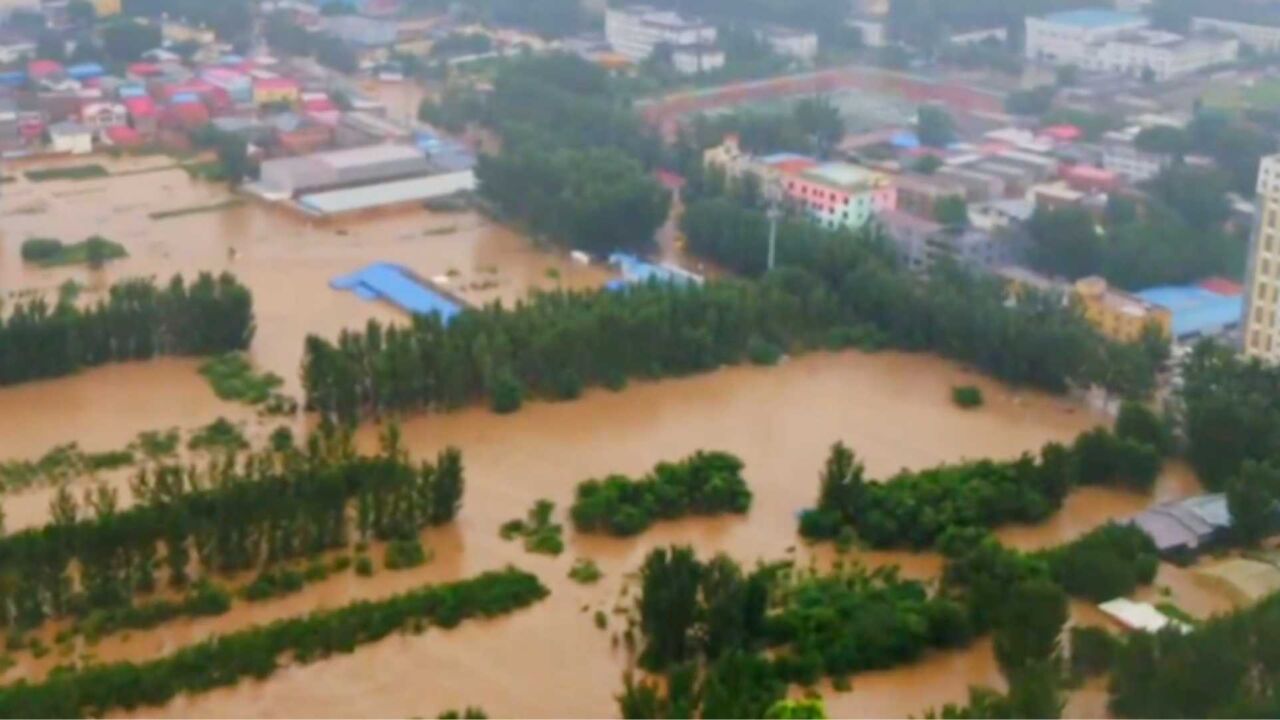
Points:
[(286, 177)]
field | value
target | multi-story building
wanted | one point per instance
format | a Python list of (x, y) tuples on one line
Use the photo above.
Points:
[(634, 31), (1132, 164), (1262, 302), (799, 44), (1265, 38), (1068, 37), (1118, 42), (840, 194), (1162, 54), (919, 194), (695, 59), (1117, 314), (921, 243)]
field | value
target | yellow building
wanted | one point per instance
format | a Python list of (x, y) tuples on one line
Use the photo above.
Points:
[(275, 90), (107, 8), (1116, 314)]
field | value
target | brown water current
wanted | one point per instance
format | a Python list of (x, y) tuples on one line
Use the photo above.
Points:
[(893, 409)]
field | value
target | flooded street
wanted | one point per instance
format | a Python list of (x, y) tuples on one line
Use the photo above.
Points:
[(893, 409)]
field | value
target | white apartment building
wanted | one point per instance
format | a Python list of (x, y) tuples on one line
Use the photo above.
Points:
[(1262, 303), (1118, 42), (1132, 164), (695, 59), (635, 30), (1165, 54), (799, 44), (1071, 37), (1261, 37)]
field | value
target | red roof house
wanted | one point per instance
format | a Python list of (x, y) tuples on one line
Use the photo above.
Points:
[(40, 69), (1062, 133)]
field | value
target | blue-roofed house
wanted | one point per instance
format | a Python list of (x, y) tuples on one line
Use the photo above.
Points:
[(1196, 312)]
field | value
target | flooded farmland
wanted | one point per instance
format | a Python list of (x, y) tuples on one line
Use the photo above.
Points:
[(551, 660)]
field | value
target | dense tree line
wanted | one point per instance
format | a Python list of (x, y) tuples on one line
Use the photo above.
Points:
[(813, 126), (1226, 667), (1178, 239), (286, 37), (575, 158), (232, 516), (708, 626), (918, 508), (137, 320), (258, 651), (705, 483), (1231, 413), (597, 200), (953, 313)]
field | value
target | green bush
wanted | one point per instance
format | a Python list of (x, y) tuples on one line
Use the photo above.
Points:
[(1092, 650), (585, 571), (233, 378), (39, 250), (364, 566), (705, 483), (507, 394), (93, 251), (541, 535), (404, 554), (967, 396), (72, 172), (763, 352), (274, 583)]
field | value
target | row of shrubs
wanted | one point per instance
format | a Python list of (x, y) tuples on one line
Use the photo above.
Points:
[(705, 483), (915, 508), (257, 652)]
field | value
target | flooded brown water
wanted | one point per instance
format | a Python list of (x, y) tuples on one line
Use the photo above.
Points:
[(551, 661), (893, 409), (285, 260)]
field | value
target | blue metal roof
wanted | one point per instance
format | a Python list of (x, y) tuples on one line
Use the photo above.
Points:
[(1092, 18), (1196, 311), (395, 284)]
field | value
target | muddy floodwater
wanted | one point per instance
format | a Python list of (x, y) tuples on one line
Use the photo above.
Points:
[(550, 660)]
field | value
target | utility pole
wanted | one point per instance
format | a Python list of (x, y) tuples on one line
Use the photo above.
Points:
[(773, 193)]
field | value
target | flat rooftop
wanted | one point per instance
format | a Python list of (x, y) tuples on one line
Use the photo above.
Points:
[(368, 197), (846, 176), (1094, 18), (1195, 310)]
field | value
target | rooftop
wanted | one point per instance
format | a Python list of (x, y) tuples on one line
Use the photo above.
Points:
[(389, 193), (370, 155), (846, 176), (1196, 310), (1094, 18)]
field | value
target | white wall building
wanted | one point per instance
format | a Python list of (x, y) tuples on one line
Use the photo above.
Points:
[(1131, 163), (635, 30), (799, 44), (1117, 42), (72, 138), (1165, 54), (1069, 37), (873, 31), (1261, 37), (1262, 303), (695, 59)]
